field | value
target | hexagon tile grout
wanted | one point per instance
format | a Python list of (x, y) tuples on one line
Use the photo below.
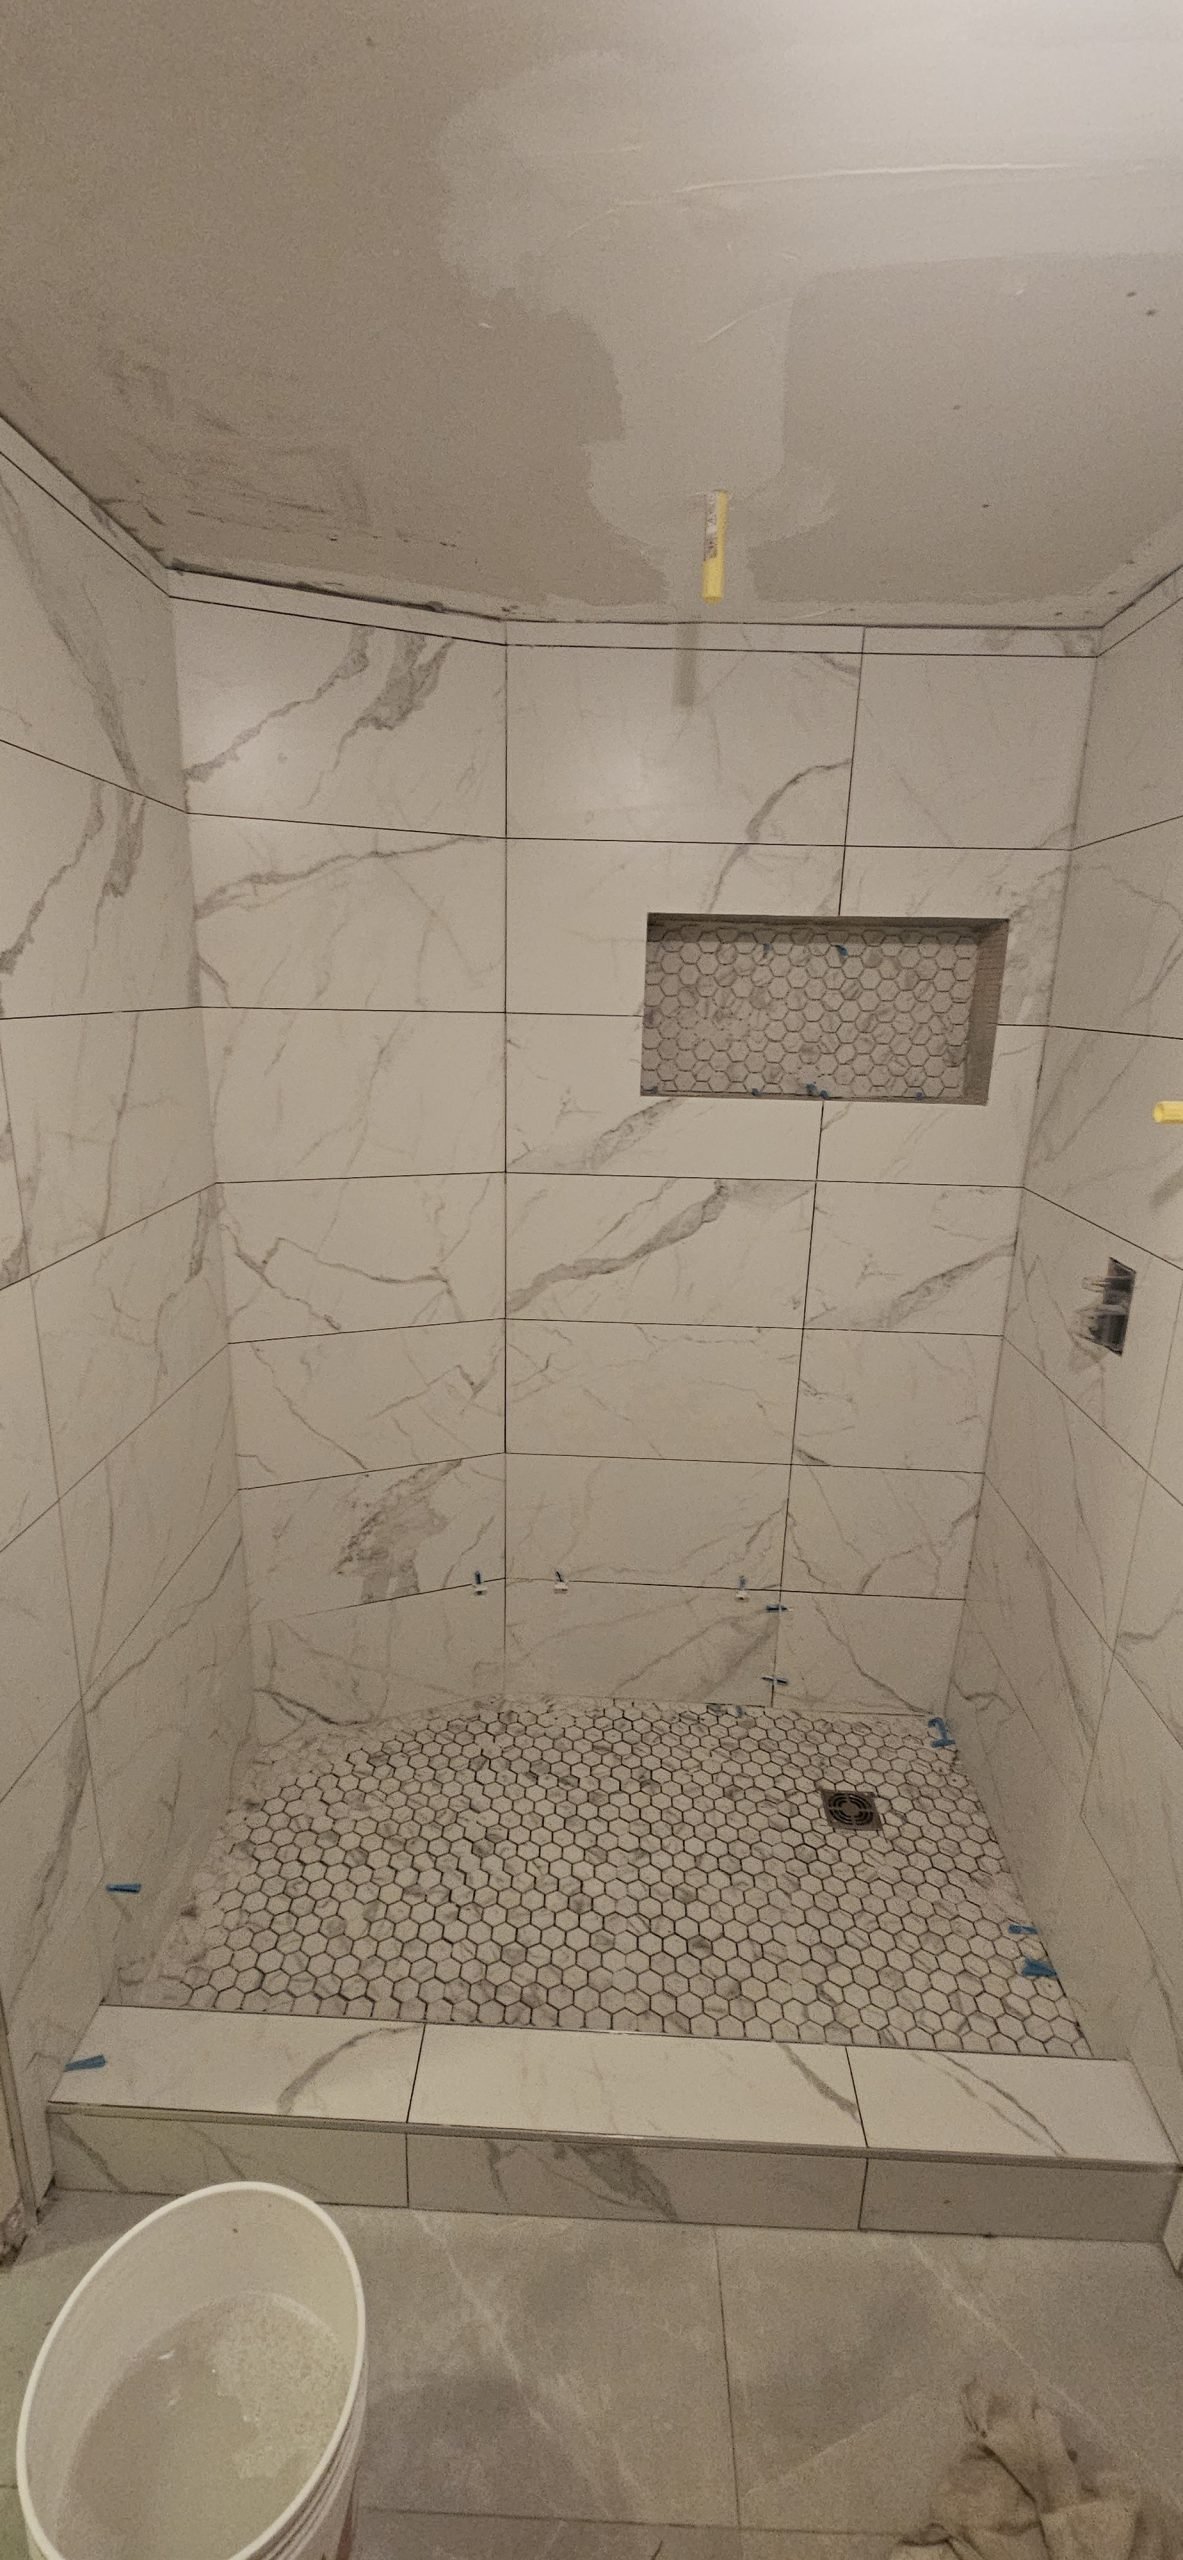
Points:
[(618, 1865)]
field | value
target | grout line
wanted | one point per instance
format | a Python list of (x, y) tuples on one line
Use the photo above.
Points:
[(726, 2375), (85, 522), (59, 764)]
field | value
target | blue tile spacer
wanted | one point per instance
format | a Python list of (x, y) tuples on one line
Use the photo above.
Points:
[(1021, 1929), (88, 2062), (942, 1739), (123, 1888), (1037, 1969)]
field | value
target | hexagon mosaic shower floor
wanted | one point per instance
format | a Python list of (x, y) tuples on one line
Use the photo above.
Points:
[(618, 1865)]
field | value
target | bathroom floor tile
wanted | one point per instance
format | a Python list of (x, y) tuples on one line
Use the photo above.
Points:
[(618, 1866)]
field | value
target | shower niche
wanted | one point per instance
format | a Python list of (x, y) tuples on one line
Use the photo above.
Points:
[(837, 1008)]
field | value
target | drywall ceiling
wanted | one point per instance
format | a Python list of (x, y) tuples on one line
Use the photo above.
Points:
[(472, 300)]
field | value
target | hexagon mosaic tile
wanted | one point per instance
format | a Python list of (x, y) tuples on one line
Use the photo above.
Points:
[(618, 1865), (834, 1007)]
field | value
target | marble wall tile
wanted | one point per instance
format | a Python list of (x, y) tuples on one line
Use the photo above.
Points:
[(341, 1256), (911, 1257), (895, 1400), (885, 1532), (285, 717), (166, 1723), (54, 1928), (14, 1261), (86, 671), (110, 1121), (1105, 1962), (987, 640), (1025, 1800), (1133, 1807), (315, 915), (1057, 1257), (577, 912), (648, 1251), (1150, 1635), (124, 1323), (303, 1094), (141, 1511), (652, 1391), (920, 880), (1050, 1652), (598, 1639), (26, 1460), (1134, 769), (96, 896), (344, 1541), (1073, 1490), (338, 1404), (1120, 965), (940, 1141), (1094, 1144), (590, 2179), (36, 1645), (665, 744), (861, 1652), (968, 751), (1166, 1456), (1031, 2200), (645, 1520), (397, 1662), (574, 1104)]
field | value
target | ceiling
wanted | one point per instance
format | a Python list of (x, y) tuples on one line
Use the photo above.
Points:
[(472, 300)]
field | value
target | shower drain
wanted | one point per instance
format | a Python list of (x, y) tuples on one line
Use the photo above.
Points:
[(851, 1808)]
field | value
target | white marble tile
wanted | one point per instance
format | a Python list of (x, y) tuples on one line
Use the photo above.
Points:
[(940, 1141), (911, 1257), (36, 1644), (110, 1120), (55, 1921), (599, 1639), (35, 466), (1034, 2200), (299, 2069), (1095, 1147), (615, 1247), (14, 1261), (341, 1404), (987, 2106), (397, 1661), (635, 2088), (1150, 1635), (302, 1094), (883, 1532), (1133, 772), (1073, 1490), (1050, 1651), (577, 912), (1058, 1260), (574, 1104), (1166, 1456), (1033, 1814), (140, 1513), (968, 751), (645, 1520), (283, 717), (923, 880), (165, 2155), (666, 744), (86, 667), (1106, 1965), (341, 1256), (96, 896), (989, 640), (687, 639), (1120, 965), (331, 602), (166, 1721), (344, 1541), (857, 1652), (291, 914), (26, 1460), (126, 1322), (587, 2178), (1144, 608), (652, 1391), (895, 1399)]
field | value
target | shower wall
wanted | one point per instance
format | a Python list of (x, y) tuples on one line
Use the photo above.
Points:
[(1067, 1688), (750, 1345), (122, 1600)]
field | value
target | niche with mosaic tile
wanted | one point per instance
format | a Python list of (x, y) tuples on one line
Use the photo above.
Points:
[(845, 1008)]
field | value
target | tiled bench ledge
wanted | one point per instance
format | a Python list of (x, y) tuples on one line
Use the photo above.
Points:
[(512, 2120)]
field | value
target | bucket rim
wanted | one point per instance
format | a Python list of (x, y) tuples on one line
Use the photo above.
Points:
[(237, 2187)]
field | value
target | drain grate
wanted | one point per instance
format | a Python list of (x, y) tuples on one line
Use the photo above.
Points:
[(851, 1808)]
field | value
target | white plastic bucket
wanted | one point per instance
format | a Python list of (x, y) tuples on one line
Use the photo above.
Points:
[(205, 2248)]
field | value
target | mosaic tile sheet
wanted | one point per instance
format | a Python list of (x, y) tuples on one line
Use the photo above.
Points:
[(617, 1865), (850, 1010)]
